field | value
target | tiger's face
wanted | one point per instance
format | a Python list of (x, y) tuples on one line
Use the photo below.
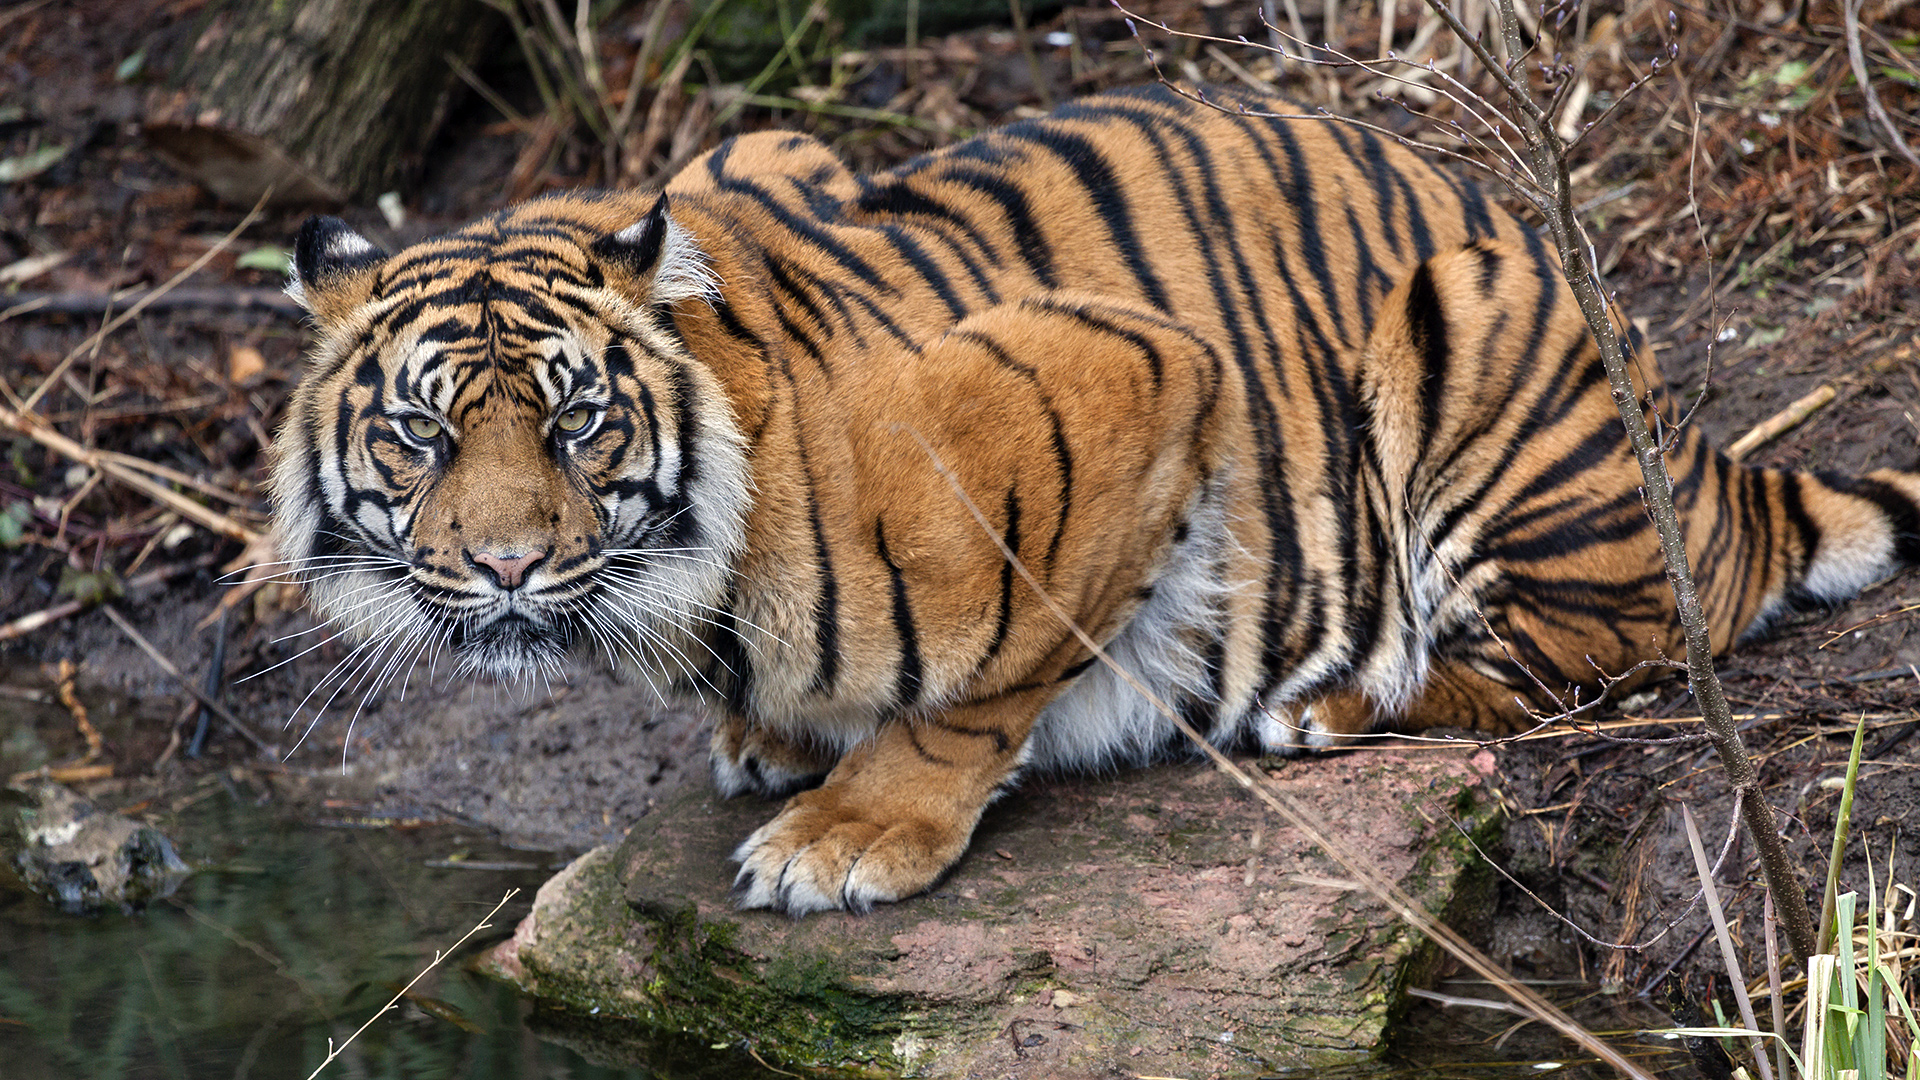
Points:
[(502, 450)]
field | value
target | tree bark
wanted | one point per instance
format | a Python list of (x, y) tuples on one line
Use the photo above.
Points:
[(320, 100)]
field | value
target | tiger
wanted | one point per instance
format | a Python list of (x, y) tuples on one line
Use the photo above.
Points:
[(997, 463)]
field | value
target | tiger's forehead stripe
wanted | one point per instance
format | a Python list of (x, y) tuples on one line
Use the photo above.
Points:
[(496, 314)]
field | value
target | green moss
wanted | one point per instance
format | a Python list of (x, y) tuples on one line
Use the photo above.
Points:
[(793, 1011)]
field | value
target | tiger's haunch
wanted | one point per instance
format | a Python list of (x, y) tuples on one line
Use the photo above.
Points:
[(1305, 431)]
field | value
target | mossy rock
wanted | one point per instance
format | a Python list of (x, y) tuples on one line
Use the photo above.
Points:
[(1159, 920)]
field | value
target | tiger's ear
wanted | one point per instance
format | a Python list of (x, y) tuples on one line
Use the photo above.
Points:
[(661, 257), (332, 267)]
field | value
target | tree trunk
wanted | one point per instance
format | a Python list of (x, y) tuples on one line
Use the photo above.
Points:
[(320, 100)]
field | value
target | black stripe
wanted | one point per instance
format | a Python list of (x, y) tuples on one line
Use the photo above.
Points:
[(1100, 185), (1020, 224), (1011, 537), (687, 421), (784, 282), (1795, 512), (916, 257), (1156, 365), (810, 231), (1372, 164), (913, 736), (906, 689), (730, 322), (896, 199), (1756, 486), (1427, 324), (826, 617), (1902, 517), (1001, 744), (1062, 451), (735, 665)]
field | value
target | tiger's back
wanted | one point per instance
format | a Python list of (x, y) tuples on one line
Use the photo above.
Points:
[(1271, 243), (1304, 433)]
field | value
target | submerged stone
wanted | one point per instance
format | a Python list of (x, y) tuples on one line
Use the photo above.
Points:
[(1160, 921)]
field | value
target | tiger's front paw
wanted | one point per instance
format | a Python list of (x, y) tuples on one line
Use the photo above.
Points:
[(823, 853), (749, 759)]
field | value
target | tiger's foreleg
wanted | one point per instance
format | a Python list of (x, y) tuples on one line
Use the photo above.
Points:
[(984, 514), (892, 816)]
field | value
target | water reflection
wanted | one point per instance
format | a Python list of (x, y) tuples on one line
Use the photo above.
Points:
[(290, 935)]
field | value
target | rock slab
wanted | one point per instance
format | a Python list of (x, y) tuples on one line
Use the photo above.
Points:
[(1157, 923)]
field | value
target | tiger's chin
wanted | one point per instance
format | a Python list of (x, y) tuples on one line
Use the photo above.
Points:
[(512, 648)]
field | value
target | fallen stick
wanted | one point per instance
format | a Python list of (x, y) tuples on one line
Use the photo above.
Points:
[(271, 301), (27, 624), (1782, 422), (115, 465), (1786, 419), (168, 666)]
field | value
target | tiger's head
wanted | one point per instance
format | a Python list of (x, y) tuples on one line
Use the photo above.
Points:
[(501, 447)]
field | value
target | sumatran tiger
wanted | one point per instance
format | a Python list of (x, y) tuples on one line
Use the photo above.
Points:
[(1306, 433)]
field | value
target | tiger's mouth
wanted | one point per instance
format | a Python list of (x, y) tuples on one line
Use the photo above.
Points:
[(511, 646)]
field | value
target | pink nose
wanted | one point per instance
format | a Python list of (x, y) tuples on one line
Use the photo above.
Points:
[(508, 570)]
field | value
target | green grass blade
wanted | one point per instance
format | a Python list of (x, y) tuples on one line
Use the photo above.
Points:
[(1844, 1006), (1841, 823)]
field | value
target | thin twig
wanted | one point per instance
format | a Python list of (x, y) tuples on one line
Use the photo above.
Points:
[(1767, 923), (1850, 14), (171, 669), (438, 955), (1727, 954), (145, 301)]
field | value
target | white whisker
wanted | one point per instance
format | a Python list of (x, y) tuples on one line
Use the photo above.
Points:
[(658, 590)]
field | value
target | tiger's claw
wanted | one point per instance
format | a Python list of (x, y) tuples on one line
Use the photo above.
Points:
[(821, 855)]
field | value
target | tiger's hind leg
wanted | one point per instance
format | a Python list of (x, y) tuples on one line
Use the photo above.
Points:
[(1456, 695)]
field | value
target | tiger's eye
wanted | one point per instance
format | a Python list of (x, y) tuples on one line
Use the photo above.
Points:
[(423, 429), (574, 420)]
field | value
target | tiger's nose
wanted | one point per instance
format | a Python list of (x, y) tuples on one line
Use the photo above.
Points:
[(508, 570)]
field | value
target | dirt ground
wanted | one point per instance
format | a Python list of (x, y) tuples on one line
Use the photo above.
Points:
[(1811, 218)]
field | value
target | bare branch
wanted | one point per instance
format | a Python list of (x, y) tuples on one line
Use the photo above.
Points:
[(1850, 12)]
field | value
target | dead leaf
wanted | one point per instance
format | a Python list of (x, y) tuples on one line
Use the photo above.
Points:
[(244, 362), (31, 267), (32, 163)]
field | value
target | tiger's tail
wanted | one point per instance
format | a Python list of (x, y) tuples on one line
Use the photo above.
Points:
[(1765, 541)]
